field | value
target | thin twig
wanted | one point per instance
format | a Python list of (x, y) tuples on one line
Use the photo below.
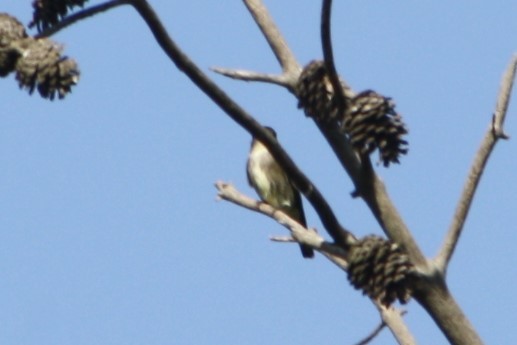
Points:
[(278, 79), (393, 319), (328, 55), (239, 115), (83, 14), (494, 132), (299, 234)]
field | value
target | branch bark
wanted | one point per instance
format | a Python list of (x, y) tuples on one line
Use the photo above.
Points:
[(493, 134)]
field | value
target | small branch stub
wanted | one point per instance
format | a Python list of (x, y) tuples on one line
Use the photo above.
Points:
[(497, 129)]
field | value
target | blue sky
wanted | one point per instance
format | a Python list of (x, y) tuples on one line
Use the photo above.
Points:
[(109, 228)]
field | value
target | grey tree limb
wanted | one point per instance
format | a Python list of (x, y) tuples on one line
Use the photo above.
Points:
[(494, 133)]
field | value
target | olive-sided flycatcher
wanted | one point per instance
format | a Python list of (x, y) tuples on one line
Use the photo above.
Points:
[(273, 186)]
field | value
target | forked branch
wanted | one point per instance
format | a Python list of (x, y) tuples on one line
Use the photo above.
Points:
[(290, 67), (493, 134)]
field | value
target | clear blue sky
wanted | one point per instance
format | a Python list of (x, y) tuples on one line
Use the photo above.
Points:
[(109, 228)]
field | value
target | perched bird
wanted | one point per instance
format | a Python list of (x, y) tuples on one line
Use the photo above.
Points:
[(273, 185)]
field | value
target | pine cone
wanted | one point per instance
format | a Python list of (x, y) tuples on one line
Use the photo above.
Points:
[(10, 30), (315, 93), (48, 13), (380, 269), (41, 65), (371, 122)]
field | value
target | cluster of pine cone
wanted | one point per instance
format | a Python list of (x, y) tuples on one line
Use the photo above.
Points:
[(368, 119), (38, 62)]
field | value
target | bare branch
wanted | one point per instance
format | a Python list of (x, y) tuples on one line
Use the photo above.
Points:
[(278, 79), (299, 234), (274, 38), (282, 239), (391, 317), (91, 11), (494, 132)]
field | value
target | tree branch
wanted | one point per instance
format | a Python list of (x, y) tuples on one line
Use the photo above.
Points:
[(299, 234), (83, 14), (239, 115), (366, 182), (274, 38), (391, 317), (375, 195), (430, 289), (494, 132), (290, 67)]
